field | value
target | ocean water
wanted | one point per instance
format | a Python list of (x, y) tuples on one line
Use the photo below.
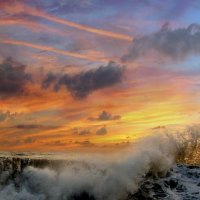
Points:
[(160, 166)]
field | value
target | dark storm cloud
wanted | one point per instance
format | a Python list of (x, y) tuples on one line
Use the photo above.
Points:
[(102, 131), (13, 78), (82, 84), (81, 132), (175, 44), (49, 80), (105, 116)]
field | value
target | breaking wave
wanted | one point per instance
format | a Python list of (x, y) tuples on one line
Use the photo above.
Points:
[(102, 177)]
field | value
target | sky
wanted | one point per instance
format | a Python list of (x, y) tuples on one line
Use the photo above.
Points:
[(96, 74)]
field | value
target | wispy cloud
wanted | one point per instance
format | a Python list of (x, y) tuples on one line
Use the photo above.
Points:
[(102, 131), (82, 132), (105, 116)]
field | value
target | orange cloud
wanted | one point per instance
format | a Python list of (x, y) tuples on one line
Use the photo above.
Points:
[(18, 8)]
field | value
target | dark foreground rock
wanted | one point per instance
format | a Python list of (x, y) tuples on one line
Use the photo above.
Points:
[(182, 183)]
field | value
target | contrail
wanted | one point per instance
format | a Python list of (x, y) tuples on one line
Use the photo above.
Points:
[(32, 25), (18, 8), (51, 49)]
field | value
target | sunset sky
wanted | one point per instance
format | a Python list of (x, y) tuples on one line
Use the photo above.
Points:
[(96, 74)]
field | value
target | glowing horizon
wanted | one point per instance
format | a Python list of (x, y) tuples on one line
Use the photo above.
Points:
[(73, 78)]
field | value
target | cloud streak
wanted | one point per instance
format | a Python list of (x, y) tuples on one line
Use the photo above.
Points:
[(34, 127), (30, 24), (20, 8)]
